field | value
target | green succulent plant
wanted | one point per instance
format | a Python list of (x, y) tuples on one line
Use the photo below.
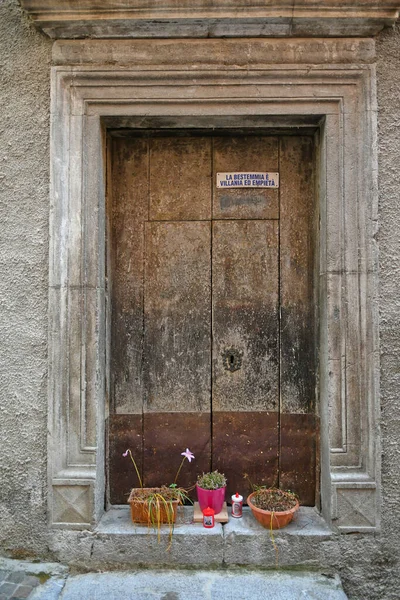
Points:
[(211, 481)]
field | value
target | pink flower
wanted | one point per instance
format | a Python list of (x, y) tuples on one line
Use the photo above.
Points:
[(188, 455)]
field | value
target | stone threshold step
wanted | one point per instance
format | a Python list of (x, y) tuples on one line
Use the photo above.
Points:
[(202, 585), (117, 543), (307, 522), (238, 583)]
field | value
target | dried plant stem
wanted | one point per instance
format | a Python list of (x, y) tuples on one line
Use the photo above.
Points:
[(271, 534), (136, 469), (179, 470)]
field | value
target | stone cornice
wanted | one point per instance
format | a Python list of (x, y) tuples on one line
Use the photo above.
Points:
[(211, 18)]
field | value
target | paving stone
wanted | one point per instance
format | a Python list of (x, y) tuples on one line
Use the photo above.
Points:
[(21, 592), (32, 568), (16, 585), (31, 580), (52, 589), (7, 588), (16, 577), (171, 584)]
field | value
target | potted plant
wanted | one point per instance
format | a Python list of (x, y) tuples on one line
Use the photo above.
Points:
[(155, 506), (273, 508), (211, 489)]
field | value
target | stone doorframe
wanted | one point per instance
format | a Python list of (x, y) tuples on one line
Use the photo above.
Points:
[(215, 83)]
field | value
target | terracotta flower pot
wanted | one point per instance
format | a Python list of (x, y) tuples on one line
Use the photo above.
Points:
[(272, 519), (211, 498), (140, 508)]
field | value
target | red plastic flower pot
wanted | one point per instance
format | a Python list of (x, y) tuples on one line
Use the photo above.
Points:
[(211, 498)]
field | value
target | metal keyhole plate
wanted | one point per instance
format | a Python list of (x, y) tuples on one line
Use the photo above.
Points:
[(232, 359)]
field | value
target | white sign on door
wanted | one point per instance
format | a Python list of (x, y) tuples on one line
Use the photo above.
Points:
[(248, 180)]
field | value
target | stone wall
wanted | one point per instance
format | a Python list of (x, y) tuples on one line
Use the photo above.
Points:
[(367, 564), (24, 208), (388, 73)]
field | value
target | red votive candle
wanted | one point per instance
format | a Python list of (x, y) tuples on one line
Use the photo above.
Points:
[(208, 517)]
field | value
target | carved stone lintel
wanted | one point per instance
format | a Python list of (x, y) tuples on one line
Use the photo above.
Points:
[(197, 19), (211, 53)]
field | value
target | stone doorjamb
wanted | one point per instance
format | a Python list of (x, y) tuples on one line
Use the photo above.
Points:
[(255, 81)]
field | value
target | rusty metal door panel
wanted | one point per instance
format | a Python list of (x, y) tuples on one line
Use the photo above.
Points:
[(177, 313), (298, 456), (165, 436), (246, 444), (123, 431), (156, 441), (179, 178), (241, 154), (245, 315), (129, 211)]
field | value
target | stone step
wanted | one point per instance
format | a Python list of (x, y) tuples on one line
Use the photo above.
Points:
[(202, 585), (52, 581), (119, 544)]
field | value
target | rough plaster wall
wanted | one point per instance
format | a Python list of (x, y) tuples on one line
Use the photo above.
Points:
[(24, 177), (388, 71)]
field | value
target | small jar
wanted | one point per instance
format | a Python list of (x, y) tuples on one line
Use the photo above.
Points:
[(208, 518), (237, 505)]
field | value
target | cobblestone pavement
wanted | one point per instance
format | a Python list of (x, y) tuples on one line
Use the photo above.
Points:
[(17, 585), (21, 579), (52, 581)]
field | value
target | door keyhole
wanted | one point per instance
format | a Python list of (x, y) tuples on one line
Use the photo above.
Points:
[(232, 359)]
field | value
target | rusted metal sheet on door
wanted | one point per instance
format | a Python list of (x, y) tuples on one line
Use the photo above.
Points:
[(123, 432), (298, 455), (166, 436), (245, 315), (246, 444)]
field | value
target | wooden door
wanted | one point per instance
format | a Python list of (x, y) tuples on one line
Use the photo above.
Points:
[(212, 312)]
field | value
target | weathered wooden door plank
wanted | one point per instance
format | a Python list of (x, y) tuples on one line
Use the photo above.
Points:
[(245, 314), (245, 448), (129, 211), (179, 174), (245, 324), (297, 318), (241, 154), (177, 309), (177, 349)]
